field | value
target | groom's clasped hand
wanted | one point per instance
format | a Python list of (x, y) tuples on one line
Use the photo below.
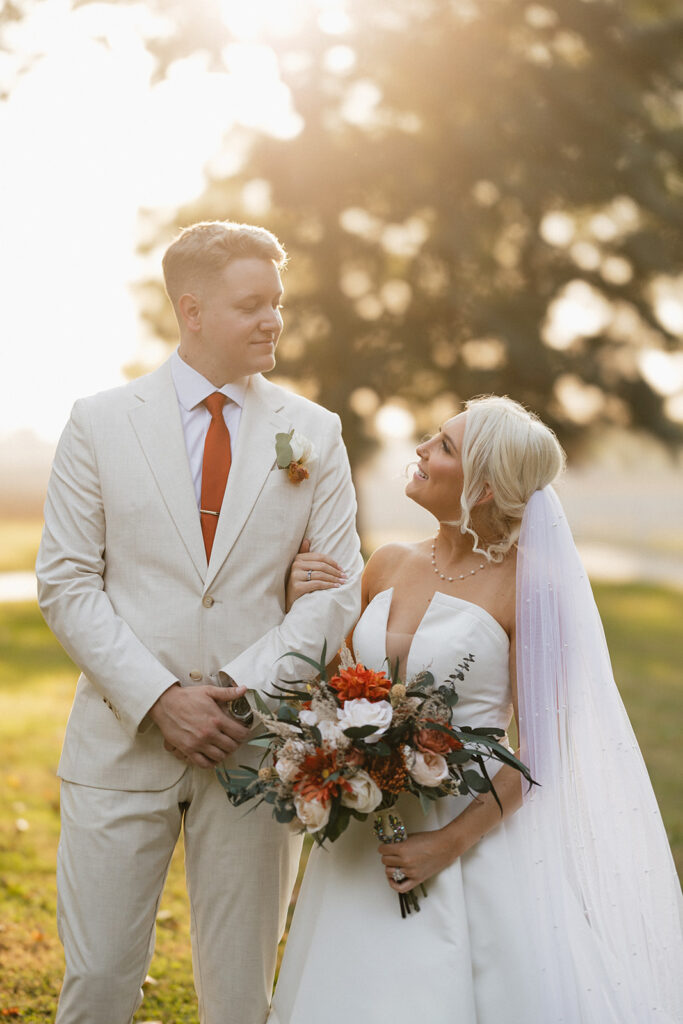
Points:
[(193, 720), (194, 725)]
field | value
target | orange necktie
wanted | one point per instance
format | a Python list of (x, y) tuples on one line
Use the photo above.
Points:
[(215, 469)]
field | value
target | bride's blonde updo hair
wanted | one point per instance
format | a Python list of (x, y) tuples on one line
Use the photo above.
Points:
[(512, 451)]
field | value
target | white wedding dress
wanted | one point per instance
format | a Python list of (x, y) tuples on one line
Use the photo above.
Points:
[(350, 957)]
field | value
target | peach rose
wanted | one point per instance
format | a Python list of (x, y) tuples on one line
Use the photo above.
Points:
[(427, 769)]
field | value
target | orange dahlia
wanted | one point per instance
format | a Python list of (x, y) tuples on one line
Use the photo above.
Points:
[(354, 683), (313, 781)]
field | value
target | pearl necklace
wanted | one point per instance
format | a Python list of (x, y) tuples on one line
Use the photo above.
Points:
[(452, 579)]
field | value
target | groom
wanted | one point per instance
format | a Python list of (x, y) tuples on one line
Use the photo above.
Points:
[(169, 531)]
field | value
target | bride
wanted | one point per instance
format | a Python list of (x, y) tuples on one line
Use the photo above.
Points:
[(566, 907)]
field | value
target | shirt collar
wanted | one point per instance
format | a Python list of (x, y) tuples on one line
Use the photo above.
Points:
[(191, 388)]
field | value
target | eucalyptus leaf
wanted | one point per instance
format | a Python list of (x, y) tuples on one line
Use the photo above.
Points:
[(283, 449), (339, 820), (316, 734), (260, 703), (458, 757), (359, 732), (476, 781)]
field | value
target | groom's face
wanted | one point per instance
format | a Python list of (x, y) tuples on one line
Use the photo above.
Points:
[(240, 316)]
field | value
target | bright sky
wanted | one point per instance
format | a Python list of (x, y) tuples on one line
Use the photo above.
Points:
[(88, 141)]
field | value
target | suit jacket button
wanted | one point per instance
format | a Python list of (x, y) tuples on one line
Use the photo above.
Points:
[(207, 601), (195, 675)]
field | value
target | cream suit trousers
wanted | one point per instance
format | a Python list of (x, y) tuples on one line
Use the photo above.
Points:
[(119, 844)]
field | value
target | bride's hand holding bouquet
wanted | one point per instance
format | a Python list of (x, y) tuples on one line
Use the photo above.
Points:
[(346, 745)]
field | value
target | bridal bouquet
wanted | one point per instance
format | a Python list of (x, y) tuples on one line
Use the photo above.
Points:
[(343, 747)]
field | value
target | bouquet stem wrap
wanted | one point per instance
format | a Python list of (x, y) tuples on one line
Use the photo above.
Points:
[(388, 827)]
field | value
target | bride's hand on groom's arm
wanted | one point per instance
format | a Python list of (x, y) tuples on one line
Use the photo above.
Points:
[(311, 571), (194, 726)]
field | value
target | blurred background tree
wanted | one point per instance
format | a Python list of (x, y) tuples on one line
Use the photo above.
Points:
[(482, 196), (477, 195)]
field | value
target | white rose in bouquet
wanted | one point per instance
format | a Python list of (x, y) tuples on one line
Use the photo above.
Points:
[(313, 814), (332, 735), (365, 794), (427, 769), (359, 712), (302, 449), (289, 758), (295, 750), (308, 717), (287, 769)]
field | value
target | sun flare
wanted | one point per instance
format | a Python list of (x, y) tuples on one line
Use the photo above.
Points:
[(272, 19)]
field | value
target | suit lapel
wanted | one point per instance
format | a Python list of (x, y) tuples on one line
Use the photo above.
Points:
[(253, 460), (156, 421)]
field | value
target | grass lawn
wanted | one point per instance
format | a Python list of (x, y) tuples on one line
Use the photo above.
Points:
[(36, 686), (19, 540)]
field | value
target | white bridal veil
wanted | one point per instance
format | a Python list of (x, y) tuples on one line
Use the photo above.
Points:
[(604, 929)]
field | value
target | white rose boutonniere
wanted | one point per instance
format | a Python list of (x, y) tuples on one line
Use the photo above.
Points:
[(294, 452)]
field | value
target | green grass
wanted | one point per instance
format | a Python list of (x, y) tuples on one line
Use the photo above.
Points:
[(19, 540), (36, 685)]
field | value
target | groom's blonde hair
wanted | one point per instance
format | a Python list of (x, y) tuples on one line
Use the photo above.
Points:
[(515, 453), (202, 250)]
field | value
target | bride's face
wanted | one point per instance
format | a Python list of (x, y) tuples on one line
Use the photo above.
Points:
[(438, 480)]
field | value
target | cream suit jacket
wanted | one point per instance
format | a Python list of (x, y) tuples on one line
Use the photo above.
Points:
[(123, 580)]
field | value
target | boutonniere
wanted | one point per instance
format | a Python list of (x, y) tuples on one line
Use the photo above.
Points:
[(293, 452)]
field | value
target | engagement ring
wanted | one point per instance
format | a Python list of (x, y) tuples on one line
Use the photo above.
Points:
[(308, 575), (398, 875)]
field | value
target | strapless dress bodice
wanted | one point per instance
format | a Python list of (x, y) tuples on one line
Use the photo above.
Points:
[(450, 629)]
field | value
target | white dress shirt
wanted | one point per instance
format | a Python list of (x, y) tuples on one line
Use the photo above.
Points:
[(191, 389)]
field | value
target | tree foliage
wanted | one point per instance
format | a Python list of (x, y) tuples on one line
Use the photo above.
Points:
[(466, 173), (461, 168)]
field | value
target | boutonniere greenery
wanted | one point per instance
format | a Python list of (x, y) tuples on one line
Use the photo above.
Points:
[(294, 452)]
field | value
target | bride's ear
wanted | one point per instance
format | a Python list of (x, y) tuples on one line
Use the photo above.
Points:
[(485, 496)]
